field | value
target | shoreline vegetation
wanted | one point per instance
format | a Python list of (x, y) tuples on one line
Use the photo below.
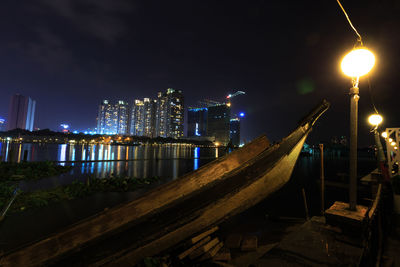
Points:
[(48, 136), (12, 173)]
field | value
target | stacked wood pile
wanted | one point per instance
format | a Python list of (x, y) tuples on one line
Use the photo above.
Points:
[(201, 247), (207, 246)]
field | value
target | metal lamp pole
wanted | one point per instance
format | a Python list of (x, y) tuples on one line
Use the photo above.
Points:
[(375, 120), (355, 64), (354, 97)]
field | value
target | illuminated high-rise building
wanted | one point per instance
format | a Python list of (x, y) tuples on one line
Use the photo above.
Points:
[(161, 115), (149, 117), (113, 119), (21, 113), (137, 118), (122, 109), (176, 113), (218, 123), (105, 119), (170, 114), (197, 122), (142, 121)]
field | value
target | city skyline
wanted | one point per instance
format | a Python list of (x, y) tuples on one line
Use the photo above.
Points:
[(71, 55), (160, 117)]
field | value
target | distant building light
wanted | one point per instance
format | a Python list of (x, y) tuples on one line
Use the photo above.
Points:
[(197, 130), (197, 109)]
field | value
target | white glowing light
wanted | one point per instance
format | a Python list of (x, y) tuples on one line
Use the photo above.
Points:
[(375, 119), (358, 62)]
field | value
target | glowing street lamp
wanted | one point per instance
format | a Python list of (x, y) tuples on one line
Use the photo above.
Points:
[(358, 62), (355, 64), (384, 135), (375, 120)]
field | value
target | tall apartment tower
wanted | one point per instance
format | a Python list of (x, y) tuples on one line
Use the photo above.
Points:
[(149, 117), (105, 122), (122, 109), (218, 123), (112, 119), (170, 114), (161, 115), (143, 118), (137, 118), (21, 113)]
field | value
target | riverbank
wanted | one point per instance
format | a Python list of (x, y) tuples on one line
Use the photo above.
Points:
[(40, 198), (12, 172)]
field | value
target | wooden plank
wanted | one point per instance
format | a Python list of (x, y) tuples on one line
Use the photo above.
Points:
[(190, 250), (233, 241), (199, 237), (212, 252), (249, 243), (203, 249), (223, 255)]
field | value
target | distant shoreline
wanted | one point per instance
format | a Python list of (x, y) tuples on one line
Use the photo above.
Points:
[(47, 136)]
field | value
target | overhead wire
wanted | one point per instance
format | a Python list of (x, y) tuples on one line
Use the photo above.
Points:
[(359, 39), (351, 24)]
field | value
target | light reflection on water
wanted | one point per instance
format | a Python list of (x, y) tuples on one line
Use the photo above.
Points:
[(196, 156), (168, 161)]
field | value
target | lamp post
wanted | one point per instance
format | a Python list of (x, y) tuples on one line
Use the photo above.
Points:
[(355, 64), (375, 120)]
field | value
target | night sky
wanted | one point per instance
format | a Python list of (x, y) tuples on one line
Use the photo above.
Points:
[(68, 55)]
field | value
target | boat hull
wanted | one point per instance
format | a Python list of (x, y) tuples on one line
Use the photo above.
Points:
[(224, 208)]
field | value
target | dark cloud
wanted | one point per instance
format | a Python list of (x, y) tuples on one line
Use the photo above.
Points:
[(99, 18), (50, 51)]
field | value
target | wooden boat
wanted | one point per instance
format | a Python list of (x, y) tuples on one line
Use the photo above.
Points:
[(123, 235)]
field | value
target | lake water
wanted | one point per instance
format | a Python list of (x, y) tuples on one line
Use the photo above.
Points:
[(167, 161)]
